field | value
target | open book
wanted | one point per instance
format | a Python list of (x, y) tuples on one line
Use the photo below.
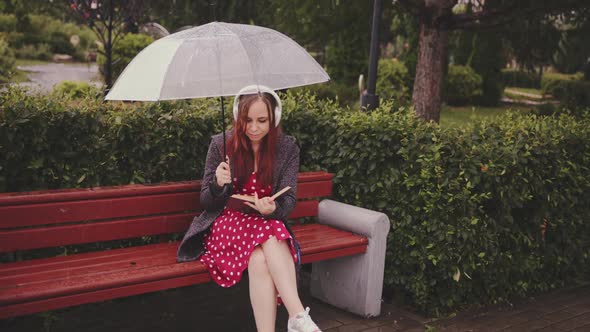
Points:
[(236, 201)]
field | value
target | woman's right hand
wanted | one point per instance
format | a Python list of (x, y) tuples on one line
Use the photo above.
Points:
[(222, 174)]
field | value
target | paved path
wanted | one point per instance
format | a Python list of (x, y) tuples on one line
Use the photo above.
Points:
[(559, 311), (44, 77), (524, 94), (210, 308)]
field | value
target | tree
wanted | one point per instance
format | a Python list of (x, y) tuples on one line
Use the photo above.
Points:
[(109, 19), (436, 18)]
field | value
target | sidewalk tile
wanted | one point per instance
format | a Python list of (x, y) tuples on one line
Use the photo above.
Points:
[(558, 316), (382, 329), (531, 325), (348, 328), (574, 322)]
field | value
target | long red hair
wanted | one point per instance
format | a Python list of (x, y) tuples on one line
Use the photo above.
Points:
[(240, 148)]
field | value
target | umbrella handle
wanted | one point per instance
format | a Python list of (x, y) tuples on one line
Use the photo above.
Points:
[(223, 127)]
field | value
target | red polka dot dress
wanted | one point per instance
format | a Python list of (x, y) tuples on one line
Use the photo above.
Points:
[(235, 234)]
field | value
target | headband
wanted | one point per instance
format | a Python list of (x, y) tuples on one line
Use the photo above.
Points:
[(254, 89)]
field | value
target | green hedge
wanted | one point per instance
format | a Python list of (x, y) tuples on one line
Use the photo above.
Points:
[(38, 36), (572, 93), (56, 143), (7, 62), (393, 81), (462, 85), (550, 80), (76, 90), (466, 204), (521, 79)]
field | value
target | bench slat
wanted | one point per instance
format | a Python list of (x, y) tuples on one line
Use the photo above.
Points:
[(96, 209), (159, 254), (108, 269), (76, 194), (108, 208), (100, 295), (93, 232), (46, 237)]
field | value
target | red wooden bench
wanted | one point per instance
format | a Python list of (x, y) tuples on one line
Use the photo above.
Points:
[(55, 218)]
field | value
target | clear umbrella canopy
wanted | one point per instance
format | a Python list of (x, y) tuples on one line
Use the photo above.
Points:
[(216, 59)]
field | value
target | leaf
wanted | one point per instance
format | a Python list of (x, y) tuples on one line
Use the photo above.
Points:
[(81, 179), (457, 275)]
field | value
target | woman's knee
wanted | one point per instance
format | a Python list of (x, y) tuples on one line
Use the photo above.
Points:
[(257, 262)]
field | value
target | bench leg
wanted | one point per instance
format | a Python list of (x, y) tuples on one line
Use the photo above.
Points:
[(353, 283)]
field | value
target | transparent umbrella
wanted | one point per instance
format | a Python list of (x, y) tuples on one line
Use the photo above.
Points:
[(216, 60)]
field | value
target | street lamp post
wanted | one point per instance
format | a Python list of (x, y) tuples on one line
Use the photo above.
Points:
[(370, 100)]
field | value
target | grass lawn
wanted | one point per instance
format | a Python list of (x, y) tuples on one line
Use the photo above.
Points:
[(21, 75), (457, 116), (28, 62)]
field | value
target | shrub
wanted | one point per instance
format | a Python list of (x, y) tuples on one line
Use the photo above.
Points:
[(76, 90), (7, 68), (7, 22), (462, 85), (572, 93), (45, 30), (60, 43), (393, 81), (546, 109), (124, 51), (521, 79), (36, 52), (343, 94), (466, 204), (550, 80)]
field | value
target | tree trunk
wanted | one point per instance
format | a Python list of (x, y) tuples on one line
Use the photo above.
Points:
[(432, 57)]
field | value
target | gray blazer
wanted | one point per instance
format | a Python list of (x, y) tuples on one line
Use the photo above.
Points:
[(214, 198)]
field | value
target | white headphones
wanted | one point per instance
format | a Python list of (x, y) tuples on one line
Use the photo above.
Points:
[(254, 89)]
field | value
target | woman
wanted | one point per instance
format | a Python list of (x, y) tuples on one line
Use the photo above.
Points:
[(261, 162)]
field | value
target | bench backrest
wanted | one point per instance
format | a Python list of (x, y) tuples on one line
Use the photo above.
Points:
[(52, 218)]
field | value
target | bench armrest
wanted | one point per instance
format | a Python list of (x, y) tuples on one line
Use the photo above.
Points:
[(353, 283), (354, 219)]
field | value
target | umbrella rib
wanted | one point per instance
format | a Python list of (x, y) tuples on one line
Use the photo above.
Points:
[(254, 79)]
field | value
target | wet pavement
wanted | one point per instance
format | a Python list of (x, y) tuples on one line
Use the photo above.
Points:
[(44, 77)]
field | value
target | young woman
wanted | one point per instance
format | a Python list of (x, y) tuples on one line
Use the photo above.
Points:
[(260, 162)]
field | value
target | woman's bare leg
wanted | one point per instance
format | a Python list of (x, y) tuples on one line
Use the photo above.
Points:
[(282, 269), (263, 294)]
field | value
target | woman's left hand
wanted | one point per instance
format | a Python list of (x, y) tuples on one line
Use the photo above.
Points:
[(264, 205)]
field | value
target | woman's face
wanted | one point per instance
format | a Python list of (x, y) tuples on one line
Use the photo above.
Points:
[(257, 123)]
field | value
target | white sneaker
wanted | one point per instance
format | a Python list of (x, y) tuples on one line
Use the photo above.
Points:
[(302, 323)]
